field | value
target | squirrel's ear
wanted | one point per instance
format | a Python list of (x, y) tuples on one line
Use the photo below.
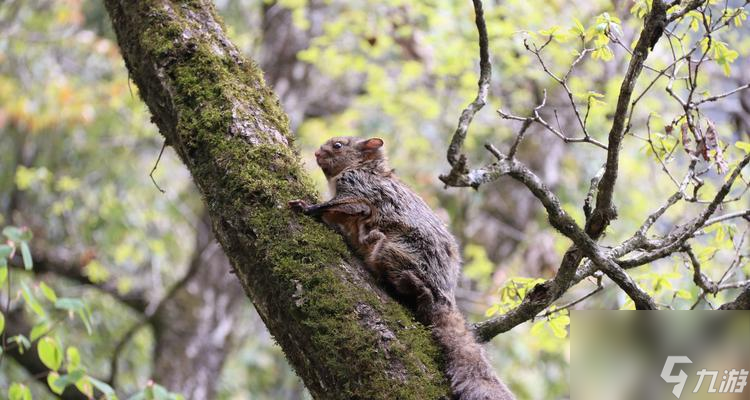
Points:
[(371, 144)]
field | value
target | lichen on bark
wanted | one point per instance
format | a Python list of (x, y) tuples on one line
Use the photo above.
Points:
[(345, 338)]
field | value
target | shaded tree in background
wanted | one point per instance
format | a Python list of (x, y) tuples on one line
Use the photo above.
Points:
[(403, 72)]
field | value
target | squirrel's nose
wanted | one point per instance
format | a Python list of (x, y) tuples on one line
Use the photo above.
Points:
[(317, 153)]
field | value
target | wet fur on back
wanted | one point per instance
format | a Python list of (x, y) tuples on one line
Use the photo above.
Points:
[(405, 245)]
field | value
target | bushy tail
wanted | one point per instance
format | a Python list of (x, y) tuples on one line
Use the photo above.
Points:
[(470, 374)]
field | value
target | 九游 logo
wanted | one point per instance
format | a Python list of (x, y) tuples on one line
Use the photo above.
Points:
[(734, 381)]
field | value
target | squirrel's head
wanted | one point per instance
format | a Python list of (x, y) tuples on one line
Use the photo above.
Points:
[(339, 153)]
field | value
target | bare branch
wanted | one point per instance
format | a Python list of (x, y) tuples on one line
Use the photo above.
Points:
[(604, 211), (562, 81), (725, 217), (736, 262), (638, 240), (588, 202), (723, 95), (455, 158), (692, 5), (519, 138), (676, 239), (699, 278), (536, 117), (599, 217), (539, 298), (641, 299), (156, 164), (544, 294), (574, 302)]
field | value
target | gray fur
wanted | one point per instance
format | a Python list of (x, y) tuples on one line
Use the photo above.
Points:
[(405, 244)]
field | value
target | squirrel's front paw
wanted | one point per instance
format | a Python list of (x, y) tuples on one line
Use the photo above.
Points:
[(297, 205)]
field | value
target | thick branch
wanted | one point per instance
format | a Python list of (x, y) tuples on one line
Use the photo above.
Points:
[(690, 6), (540, 297), (605, 211), (545, 294), (73, 268), (742, 302)]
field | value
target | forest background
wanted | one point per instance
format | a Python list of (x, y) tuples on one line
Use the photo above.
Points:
[(115, 273)]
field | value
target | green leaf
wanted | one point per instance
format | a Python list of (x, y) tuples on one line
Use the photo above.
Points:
[(492, 310), (477, 265), (603, 53), (26, 254), (50, 353), (2, 322), (537, 328), (3, 271), (69, 304), (684, 294), (744, 146), (559, 326), (18, 391), (84, 386), (578, 29), (77, 306), (161, 393), (13, 233), (31, 301), (720, 234), (86, 319), (48, 292), (21, 341), (39, 330), (17, 234), (5, 251), (74, 358), (53, 381), (70, 378), (104, 388)]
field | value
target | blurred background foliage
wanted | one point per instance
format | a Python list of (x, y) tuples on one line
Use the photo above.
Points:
[(77, 148)]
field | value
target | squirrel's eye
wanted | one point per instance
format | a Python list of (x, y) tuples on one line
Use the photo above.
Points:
[(337, 145)]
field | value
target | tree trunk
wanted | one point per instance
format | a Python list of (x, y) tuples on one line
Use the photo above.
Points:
[(194, 328), (345, 338)]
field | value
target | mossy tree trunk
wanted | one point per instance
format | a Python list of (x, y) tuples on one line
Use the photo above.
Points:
[(345, 338)]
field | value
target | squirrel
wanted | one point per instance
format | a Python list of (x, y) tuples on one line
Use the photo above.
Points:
[(404, 244)]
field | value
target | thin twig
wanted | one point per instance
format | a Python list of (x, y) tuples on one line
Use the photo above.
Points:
[(151, 175), (572, 303), (519, 138), (723, 95)]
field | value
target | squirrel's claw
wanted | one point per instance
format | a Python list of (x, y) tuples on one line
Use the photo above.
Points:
[(297, 205)]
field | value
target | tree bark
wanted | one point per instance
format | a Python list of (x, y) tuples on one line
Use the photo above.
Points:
[(345, 338)]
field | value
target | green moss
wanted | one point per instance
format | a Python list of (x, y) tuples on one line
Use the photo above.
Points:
[(249, 186)]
